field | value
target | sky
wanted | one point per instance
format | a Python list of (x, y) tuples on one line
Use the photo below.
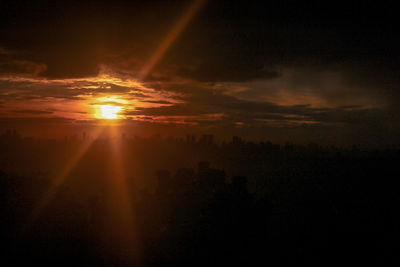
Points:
[(301, 72)]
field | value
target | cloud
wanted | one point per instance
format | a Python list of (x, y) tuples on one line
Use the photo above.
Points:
[(257, 113), (76, 89), (12, 63), (225, 71), (76, 98), (38, 121), (318, 88), (300, 66), (32, 111), (162, 102)]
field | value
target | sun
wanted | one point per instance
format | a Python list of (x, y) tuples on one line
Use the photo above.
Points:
[(109, 111)]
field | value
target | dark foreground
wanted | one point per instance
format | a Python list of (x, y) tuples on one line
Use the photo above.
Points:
[(271, 205)]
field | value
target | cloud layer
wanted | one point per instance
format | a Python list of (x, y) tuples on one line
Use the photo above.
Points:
[(300, 71)]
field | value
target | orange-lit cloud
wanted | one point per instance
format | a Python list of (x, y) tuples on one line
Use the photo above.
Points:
[(78, 99)]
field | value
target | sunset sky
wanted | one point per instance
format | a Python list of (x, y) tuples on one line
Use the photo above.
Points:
[(313, 71)]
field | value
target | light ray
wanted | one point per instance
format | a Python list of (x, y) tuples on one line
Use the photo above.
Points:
[(122, 227), (171, 37), (58, 181)]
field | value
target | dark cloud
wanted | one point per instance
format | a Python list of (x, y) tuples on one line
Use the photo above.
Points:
[(138, 95), (226, 70), (32, 111), (12, 63), (21, 67), (261, 113), (39, 121), (226, 42), (246, 40), (73, 38), (163, 102), (104, 87)]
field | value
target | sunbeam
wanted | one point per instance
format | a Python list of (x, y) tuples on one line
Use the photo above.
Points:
[(122, 236), (59, 180), (171, 37)]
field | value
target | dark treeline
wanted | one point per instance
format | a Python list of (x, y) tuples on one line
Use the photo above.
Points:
[(195, 202)]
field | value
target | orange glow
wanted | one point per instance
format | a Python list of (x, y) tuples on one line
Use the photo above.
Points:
[(103, 97), (110, 107)]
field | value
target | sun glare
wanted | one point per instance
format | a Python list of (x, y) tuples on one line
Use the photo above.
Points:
[(109, 112)]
